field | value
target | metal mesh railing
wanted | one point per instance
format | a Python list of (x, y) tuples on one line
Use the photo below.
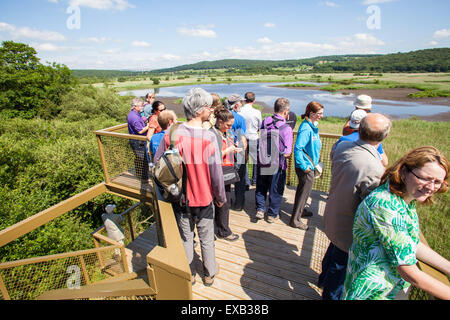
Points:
[(27, 279), (321, 184), (125, 156)]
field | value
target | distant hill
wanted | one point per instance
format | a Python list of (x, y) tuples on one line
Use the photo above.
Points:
[(254, 65), (428, 60)]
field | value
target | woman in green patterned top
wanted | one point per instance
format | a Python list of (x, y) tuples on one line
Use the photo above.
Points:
[(383, 256)]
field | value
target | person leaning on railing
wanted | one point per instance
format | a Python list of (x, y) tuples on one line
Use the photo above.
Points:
[(306, 154), (386, 247), (137, 126)]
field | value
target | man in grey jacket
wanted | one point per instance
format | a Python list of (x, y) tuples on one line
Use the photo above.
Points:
[(356, 170)]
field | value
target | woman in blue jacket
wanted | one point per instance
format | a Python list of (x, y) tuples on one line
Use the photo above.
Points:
[(307, 155)]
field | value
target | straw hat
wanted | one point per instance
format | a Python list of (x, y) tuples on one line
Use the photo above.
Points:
[(363, 102)]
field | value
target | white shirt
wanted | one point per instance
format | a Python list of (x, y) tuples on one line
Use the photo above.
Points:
[(253, 120)]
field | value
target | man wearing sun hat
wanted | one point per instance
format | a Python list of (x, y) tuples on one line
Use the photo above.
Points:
[(362, 102), (355, 119)]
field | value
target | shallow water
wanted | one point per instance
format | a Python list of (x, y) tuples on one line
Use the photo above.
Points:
[(336, 104)]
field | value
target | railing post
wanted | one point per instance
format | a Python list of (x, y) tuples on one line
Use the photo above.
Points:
[(99, 254), (102, 158), (85, 273), (3, 289), (130, 224)]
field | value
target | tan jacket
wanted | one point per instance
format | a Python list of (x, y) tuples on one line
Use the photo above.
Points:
[(356, 170)]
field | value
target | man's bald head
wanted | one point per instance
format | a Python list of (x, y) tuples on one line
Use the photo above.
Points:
[(374, 128)]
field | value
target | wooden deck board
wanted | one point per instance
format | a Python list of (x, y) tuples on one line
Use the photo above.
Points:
[(269, 261)]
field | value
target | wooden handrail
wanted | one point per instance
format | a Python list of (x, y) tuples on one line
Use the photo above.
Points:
[(438, 275), (17, 263), (169, 262), (136, 287), (120, 135), (23, 227)]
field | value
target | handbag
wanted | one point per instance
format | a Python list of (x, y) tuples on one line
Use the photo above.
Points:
[(230, 175), (318, 169)]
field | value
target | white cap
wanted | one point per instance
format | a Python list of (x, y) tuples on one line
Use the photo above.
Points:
[(356, 117)]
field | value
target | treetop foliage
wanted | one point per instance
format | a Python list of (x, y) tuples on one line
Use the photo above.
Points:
[(27, 87)]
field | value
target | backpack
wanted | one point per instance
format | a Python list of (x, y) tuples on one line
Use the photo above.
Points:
[(170, 172), (271, 146)]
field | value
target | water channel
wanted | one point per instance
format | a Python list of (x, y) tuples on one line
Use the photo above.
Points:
[(336, 104)]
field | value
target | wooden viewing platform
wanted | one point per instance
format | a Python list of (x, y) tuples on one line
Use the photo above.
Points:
[(269, 261)]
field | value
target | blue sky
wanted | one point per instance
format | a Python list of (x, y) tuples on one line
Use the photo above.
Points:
[(145, 35)]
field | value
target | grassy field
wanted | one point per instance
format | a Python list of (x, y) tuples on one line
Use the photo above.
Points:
[(429, 84), (406, 135)]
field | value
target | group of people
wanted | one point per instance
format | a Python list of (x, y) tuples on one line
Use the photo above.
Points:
[(370, 216)]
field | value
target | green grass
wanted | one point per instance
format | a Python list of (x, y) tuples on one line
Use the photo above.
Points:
[(429, 84), (404, 136)]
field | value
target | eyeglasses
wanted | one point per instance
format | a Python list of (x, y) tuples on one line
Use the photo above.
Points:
[(437, 184), (160, 110)]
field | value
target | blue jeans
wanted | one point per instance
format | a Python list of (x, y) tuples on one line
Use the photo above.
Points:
[(274, 184), (332, 278)]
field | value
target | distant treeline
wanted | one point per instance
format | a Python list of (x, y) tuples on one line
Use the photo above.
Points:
[(260, 65), (429, 60)]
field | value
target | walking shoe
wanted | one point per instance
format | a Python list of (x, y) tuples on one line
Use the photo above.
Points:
[(208, 281), (193, 279), (306, 213), (232, 237), (271, 219), (301, 226), (259, 214)]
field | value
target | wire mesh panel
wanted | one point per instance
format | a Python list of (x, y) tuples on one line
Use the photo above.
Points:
[(321, 184), (28, 281), (125, 156)]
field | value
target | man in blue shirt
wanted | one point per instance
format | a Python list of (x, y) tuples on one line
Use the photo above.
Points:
[(239, 130), (165, 119)]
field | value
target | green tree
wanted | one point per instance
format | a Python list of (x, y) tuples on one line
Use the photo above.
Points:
[(27, 87)]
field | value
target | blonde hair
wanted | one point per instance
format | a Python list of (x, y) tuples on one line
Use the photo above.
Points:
[(216, 100), (164, 118)]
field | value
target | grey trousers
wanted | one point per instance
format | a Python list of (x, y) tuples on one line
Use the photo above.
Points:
[(304, 187), (203, 219)]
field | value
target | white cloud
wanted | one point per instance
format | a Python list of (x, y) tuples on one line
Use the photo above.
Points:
[(170, 57), (264, 40), (94, 40), (443, 33), (103, 4), (269, 25), (331, 4), (47, 47), (433, 43), (200, 31), (360, 41), (25, 32), (140, 44), (368, 2)]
